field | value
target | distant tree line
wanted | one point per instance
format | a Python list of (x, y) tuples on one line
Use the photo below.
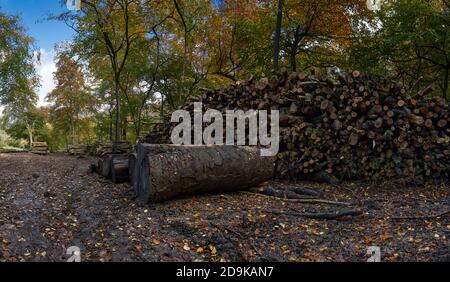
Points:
[(132, 61)]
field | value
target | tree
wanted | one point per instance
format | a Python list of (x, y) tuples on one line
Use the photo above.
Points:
[(241, 39), (26, 123), (108, 29), (18, 77), (409, 42), (71, 98), (276, 45), (317, 32)]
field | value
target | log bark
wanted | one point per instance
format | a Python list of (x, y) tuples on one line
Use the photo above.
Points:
[(167, 171)]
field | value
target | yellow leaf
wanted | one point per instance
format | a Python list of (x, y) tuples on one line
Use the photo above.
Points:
[(384, 237), (213, 250), (155, 241), (200, 250), (285, 250)]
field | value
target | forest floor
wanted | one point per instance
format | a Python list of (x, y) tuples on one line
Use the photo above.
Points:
[(49, 203)]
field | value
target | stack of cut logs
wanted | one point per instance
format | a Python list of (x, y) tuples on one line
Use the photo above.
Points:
[(343, 127), (39, 148), (103, 148), (77, 149)]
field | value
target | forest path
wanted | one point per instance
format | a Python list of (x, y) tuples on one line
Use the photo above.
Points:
[(49, 203)]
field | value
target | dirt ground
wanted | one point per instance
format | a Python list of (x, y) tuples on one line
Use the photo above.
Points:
[(49, 203)]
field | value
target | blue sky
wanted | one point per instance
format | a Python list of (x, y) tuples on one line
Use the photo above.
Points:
[(33, 14), (46, 33)]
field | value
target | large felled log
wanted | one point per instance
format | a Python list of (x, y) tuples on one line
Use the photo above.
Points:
[(119, 168), (167, 171)]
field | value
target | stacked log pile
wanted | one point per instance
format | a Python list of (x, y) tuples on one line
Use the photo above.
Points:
[(77, 149), (348, 126), (103, 148), (39, 148)]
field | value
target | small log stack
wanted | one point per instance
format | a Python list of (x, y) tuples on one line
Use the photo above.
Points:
[(345, 127), (163, 172), (102, 148), (77, 149), (39, 148)]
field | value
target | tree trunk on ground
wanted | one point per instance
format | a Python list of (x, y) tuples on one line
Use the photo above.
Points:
[(168, 171)]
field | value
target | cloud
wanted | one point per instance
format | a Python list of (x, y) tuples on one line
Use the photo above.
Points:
[(45, 70)]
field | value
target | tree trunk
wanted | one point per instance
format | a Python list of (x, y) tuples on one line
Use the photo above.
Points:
[(446, 78), (124, 130), (117, 96), (168, 171), (73, 130), (293, 60), (30, 135), (276, 40), (111, 123)]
